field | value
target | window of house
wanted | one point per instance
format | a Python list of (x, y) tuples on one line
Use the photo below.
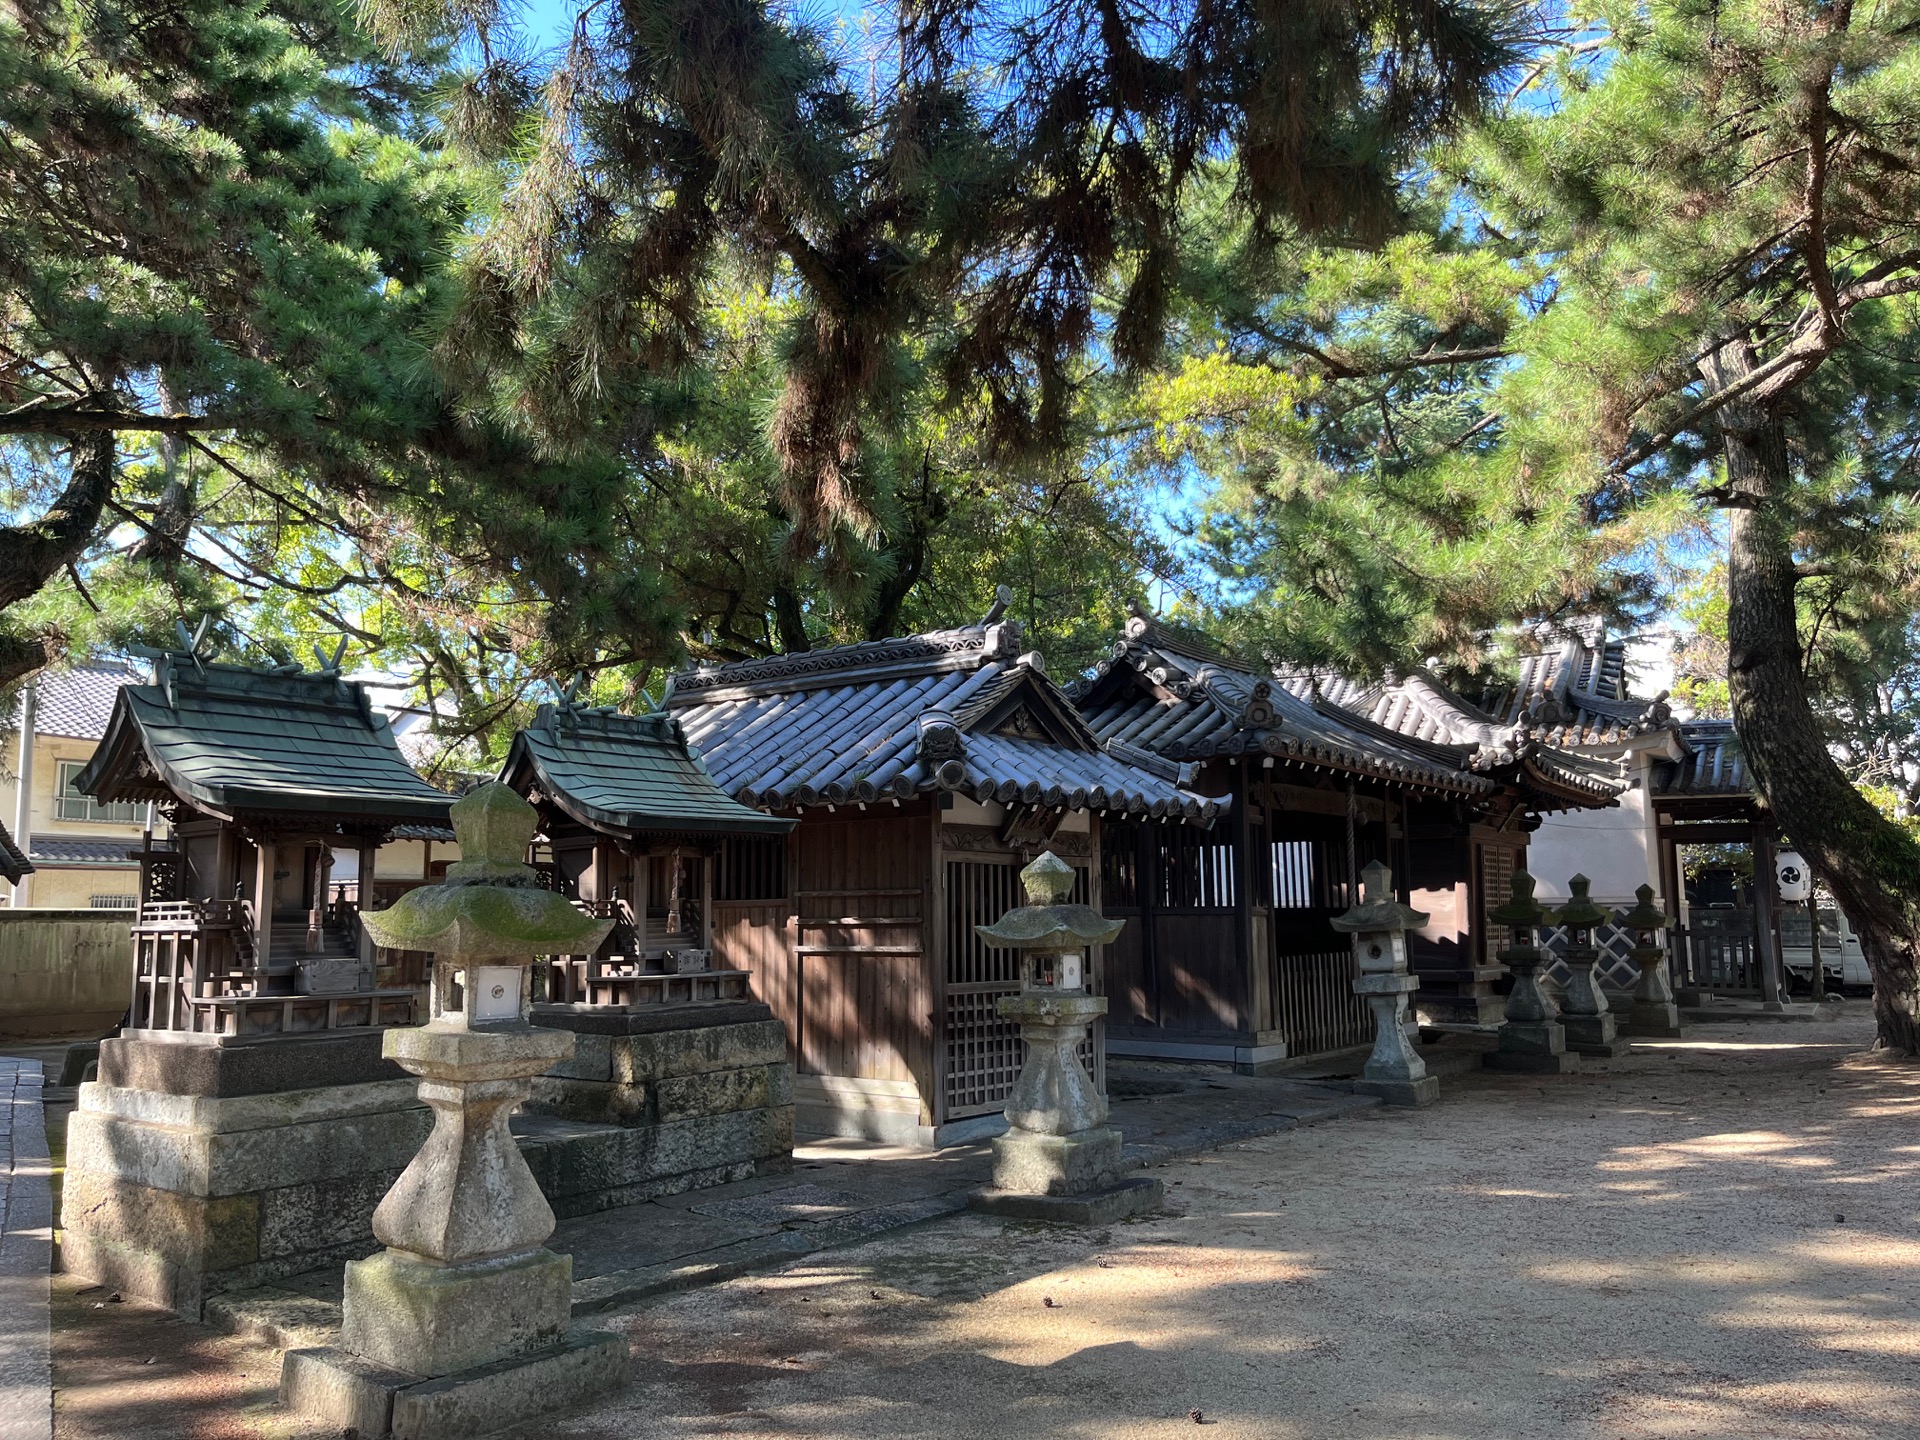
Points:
[(113, 902), (71, 804)]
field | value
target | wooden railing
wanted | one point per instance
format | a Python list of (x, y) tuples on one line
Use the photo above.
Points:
[(193, 972), (632, 968), (1315, 1004)]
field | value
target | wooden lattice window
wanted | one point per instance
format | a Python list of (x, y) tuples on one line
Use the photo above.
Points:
[(1198, 870), (1496, 888), (752, 867)]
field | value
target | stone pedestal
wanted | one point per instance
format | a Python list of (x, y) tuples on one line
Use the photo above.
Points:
[(199, 1165), (1059, 1160), (465, 1295), (1586, 1017), (1394, 1071)]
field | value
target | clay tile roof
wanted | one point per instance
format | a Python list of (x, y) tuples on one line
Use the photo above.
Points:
[(958, 710), (1714, 763), (64, 850), (77, 701), (268, 742)]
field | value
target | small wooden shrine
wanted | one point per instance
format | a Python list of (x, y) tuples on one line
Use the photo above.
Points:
[(925, 771), (635, 831), (1233, 957), (263, 774)]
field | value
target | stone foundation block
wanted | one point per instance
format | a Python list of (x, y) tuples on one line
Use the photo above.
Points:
[(1594, 1035), (1028, 1163), (1423, 1091), (344, 1391), (671, 1053), (1531, 1062), (715, 1092), (1138, 1195), (592, 1059), (216, 1233), (592, 1102), (431, 1319)]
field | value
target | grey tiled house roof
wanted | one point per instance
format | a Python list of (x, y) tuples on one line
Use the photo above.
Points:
[(1171, 692), (76, 701), (1574, 691), (626, 774), (279, 742), (953, 710), (1713, 765)]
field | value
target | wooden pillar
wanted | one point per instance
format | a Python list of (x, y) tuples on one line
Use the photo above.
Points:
[(426, 862), (1766, 935), (263, 858), (363, 898), (317, 889), (706, 902)]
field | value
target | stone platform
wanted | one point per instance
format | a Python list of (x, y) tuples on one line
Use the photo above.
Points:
[(372, 1402), (197, 1169), (1136, 1195)]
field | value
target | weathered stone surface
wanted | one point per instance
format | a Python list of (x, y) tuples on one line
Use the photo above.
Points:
[(208, 1233), (1028, 1163), (345, 1391), (1423, 1091), (1136, 1195), (438, 1319), (670, 1053), (591, 1102), (592, 1059), (617, 1158), (221, 1114), (196, 1162), (357, 1396), (716, 1092), (295, 1219), (1594, 1035), (250, 1067)]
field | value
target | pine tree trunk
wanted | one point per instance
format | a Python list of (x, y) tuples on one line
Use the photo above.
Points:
[(1869, 864), (33, 553)]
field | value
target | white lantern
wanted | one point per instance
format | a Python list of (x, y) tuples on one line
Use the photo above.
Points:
[(1794, 876)]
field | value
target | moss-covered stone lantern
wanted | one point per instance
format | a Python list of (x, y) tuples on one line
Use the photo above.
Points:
[(1394, 1071), (1584, 1014), (1059, 1159), (1531, 1039), (1653, 1012), (463, 1323)]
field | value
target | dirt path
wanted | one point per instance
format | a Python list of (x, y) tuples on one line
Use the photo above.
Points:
[(1655, 1251), (1717, 1238)]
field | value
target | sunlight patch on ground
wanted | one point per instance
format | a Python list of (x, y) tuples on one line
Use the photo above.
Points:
[(1665, 1270), (1737, 1045)]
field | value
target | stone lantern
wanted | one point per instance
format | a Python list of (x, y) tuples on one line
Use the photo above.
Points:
[(1395, 1072), (1585, 1015), (1059, 1159), (463, 1324), (1654, 1011), (1531, 1040)]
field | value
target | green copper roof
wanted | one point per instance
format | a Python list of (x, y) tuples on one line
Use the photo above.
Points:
[(231, 739), (626, 774)]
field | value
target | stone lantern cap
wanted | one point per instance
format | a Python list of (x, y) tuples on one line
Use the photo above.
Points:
[(1521, 909), (1378, 910), (1647, 915), (1579, 912), (491, 904), (1045, 922)]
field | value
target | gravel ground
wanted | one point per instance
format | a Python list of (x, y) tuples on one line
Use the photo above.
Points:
[(1718, 1237)]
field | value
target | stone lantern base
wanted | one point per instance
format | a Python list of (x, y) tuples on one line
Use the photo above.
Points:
[(1532, 1047), (1595, 1035)]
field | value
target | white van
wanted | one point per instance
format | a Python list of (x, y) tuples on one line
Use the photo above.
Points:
[(1840, 955)]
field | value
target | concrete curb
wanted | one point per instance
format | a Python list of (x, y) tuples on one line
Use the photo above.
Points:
[(26, 1257)]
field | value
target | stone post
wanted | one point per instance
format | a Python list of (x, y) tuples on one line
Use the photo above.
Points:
[(1059, 1159), (1395, 1072), (1654, 1011), (1531, 1040), (1586, 1016), (463, 1324)]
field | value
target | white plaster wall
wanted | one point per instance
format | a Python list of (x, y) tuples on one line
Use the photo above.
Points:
[(1613, 848)]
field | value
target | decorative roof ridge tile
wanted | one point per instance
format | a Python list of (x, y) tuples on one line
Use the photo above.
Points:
[(967, 647)]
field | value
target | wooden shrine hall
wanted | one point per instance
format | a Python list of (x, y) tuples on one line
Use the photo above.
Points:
[(1233, 958), (924, 772), (263, 773), (634, 831)]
